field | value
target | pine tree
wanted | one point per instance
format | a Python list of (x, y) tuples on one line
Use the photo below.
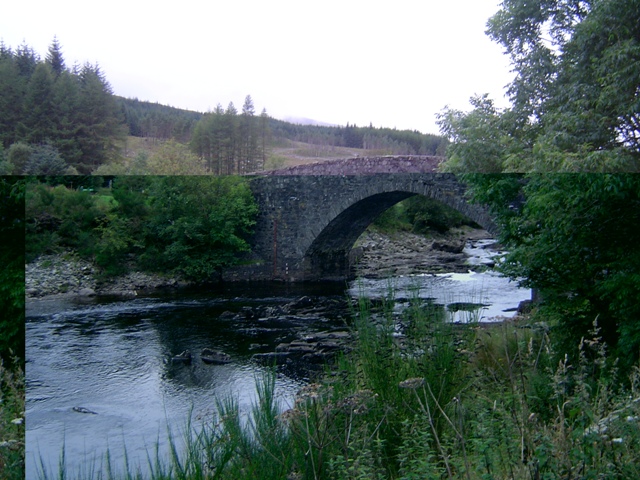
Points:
[(248, 141), (66, 90), (12, 87), (39, 107), (216, 140), (264, 138), (98, 121), (26, 60), (54, 58), (230, 140)]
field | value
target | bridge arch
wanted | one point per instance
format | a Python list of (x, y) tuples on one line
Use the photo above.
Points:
[(307, 225)]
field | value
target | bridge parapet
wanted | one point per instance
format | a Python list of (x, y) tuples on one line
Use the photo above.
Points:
[(365, 166)]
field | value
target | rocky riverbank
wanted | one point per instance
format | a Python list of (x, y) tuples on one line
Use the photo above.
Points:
[(67, 274), (377, 256), (403, 253)]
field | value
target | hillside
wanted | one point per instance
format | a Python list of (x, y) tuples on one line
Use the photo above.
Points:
[(268, 142), (67, 121)]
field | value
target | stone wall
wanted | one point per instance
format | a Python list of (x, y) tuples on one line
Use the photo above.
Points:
[(307, 224), (366, 166)]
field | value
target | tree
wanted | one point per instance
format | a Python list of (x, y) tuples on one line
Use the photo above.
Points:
[(12, 256), (26, 60), (481, 141), (67, 130), (39, 106), (248, 140), (574, 99), (574, 108), (209, 140), (18, 155), (54, 58), (46, 160), (175, 159), (600, 75), (575, 241), (6, 168), (98, 121), (264, 138), (198, 225), (229, 144), (12, 87)]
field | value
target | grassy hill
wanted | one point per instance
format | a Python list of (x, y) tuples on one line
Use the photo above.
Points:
[(288, 144)]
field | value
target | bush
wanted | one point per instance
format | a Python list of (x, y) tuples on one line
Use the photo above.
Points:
[(65, 218), (188, 226), (198, 225), (45, 160), (421, 215)]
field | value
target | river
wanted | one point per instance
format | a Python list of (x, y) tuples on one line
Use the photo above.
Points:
[(113, 357)]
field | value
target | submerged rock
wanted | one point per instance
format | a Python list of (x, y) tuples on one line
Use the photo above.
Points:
[(184, 357), (84, 410), (271, 358), (214, 357)]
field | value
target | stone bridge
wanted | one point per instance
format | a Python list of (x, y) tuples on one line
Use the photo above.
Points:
[(311, 216)]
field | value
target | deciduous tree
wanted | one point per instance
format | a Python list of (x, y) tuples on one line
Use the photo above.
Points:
[(574, 108), (574, 98)]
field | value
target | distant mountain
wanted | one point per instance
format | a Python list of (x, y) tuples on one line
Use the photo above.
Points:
[(307, 121)]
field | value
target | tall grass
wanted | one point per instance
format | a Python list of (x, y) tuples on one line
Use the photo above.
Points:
[(12, 425), (419, 397)]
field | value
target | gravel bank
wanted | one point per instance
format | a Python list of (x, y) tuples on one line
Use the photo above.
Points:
[(404, 253), (69, 275)]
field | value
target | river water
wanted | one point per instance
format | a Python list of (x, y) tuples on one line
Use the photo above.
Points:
[(112, 357)]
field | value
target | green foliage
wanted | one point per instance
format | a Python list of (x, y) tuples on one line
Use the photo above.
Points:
[(58, 218), (578, 248), (42, 102), (18, 155), (574, 108), (572, 237), (12, 341), (189, 226), (12, 190), (174, 159), (481, 140), (420, 214), (12, 420), (198, 225), (574, 100), (45, 160)]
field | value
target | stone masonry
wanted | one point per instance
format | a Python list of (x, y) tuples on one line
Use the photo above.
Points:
[(307, 224)]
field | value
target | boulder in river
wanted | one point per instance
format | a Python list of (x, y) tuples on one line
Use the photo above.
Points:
[(84, 410), (214, 357), (184, 357)]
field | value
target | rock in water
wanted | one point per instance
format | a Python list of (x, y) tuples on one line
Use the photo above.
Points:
[(214, 357), (184, 357), (84, 410)]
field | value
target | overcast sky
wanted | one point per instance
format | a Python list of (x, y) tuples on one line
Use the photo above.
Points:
[(391, 64)]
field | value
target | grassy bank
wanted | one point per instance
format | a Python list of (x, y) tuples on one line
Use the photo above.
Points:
[(12, 447), (419, 397)]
